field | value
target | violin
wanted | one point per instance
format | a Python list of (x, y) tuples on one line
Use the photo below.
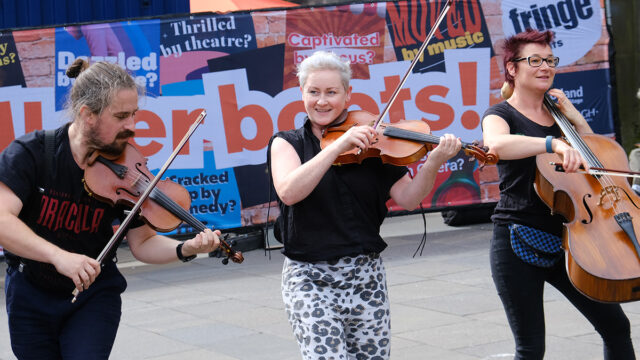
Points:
[(133, 184), (122, 180), (401, 143), (602, 252)]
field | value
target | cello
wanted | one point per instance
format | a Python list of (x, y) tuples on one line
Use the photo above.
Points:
[(600, 237)]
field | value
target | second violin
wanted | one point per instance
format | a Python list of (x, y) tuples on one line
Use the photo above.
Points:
[(400, 143), (124, 179)]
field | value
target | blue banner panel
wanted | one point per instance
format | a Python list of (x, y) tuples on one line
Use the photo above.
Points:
[(590, 93)]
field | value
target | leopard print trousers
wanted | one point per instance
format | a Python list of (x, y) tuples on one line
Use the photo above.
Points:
[(338, 309)]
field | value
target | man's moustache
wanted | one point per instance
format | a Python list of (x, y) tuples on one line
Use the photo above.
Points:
[(126, 134)]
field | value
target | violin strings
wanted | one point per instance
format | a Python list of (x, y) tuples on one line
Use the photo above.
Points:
[(140, 183), (412, 135), (175, 208)]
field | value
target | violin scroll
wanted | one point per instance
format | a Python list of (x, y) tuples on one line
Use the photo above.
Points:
[(480, 153), (229, 253)]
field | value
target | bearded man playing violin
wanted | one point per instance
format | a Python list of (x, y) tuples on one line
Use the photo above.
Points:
[(52, 230), (333, 280)]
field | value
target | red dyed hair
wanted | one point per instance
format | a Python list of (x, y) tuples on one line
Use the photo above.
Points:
[(512, 46)]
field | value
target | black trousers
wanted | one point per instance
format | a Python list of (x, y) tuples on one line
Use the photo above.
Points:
[(48, 326), (520, 287)]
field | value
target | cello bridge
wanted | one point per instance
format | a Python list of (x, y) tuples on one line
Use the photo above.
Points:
[(607, 191)]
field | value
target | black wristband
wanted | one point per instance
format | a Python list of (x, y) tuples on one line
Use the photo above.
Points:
[(182, 257)]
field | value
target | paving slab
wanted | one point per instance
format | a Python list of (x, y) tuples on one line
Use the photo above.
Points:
[(443, 304)]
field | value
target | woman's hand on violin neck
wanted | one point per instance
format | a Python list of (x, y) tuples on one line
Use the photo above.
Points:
[(408, 192), (205, 242), (448, 147)]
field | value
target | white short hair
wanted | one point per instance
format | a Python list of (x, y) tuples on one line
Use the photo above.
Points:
[(324, 60)]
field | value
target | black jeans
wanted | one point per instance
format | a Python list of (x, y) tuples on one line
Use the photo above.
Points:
[(48, 326), (520, 287)]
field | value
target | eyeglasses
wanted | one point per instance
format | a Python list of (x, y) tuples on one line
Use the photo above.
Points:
[(536, 61)]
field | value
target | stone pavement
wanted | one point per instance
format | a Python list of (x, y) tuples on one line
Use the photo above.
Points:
[(443, 305)]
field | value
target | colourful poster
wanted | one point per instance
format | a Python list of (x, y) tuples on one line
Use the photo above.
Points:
[(186, 44), (354, 32), (464, 26), (240, 68), (10, 69), (129, 44)]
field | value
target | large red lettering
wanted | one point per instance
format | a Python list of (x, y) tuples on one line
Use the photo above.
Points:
[(232, 118), (472, 19), (287, 117), (365, 102), (155, 129), (182, 120), (396, 112), (32, 116), (412, 21), (434, 12), (7, 135), (424, 103), (418, 28), (400, 24)]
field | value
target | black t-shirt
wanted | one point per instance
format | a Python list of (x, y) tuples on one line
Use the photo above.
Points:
[(342, 215), (58, 209), (519, 202)]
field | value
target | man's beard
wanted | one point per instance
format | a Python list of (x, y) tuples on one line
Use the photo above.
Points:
[(115, 148)]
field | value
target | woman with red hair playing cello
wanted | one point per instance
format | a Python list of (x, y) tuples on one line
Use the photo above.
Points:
[(517, 130)]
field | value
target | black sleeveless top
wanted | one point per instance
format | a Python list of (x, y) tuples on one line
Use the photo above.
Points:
[(519, 202), (342, 215)]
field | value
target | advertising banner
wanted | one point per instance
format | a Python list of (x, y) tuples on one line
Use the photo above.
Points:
[(241, 69)]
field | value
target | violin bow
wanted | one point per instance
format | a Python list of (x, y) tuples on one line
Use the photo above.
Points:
[(415, 60), (602, 171), (574, 139), (134, 211)]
